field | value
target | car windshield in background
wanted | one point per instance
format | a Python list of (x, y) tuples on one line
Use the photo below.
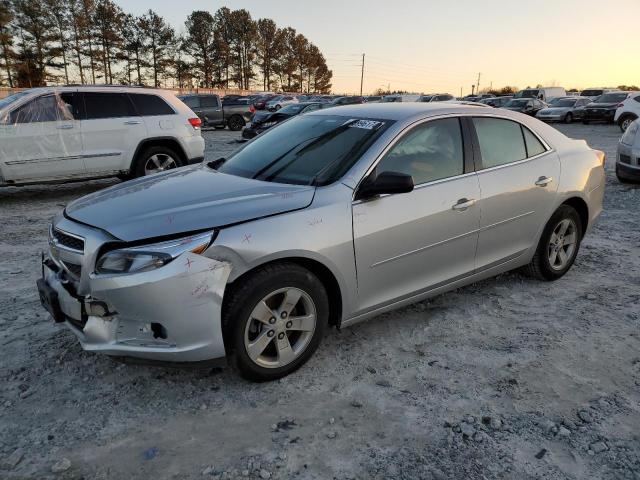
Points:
[(516, 103), (611, 98), (306, 150), (292, 109), (528, 94), (591, 93), (564, 103), (12, 98)]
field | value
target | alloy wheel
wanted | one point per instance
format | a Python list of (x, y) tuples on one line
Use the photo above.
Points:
[(625, 124), (280, 327), (562, 244), (159, 162)]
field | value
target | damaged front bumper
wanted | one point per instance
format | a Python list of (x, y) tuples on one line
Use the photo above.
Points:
[(172, 313)]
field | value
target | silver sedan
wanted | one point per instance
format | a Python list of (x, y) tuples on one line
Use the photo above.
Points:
[(330, 218)]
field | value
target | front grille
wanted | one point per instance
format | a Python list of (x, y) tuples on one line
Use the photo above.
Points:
[(74, 269), (625, 159), (68, 241)]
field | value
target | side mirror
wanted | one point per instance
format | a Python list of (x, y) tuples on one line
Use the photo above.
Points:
[(385, 183)]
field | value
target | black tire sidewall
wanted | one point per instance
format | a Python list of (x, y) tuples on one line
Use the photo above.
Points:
[(253, 290), (565, 211), (150, 151), (568, 118), (235, 123)]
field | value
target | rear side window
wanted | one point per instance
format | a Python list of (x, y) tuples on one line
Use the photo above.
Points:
[(149, 105), (431, 151), (534, 146), (208, 101), (191, 102), (500, 140), (107, 105)]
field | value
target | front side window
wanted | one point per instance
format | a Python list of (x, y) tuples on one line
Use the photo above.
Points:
[(149, 105), (41, 109), (100, 105), (306, 150), (431, 151), (500, 140)]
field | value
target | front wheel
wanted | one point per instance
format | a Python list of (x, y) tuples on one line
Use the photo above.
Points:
[(274, 320), (558, 245), (236, 123), (568, 118), (155, 160), (625, 122)]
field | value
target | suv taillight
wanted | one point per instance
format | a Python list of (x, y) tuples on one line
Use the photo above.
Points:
[(252, 109), (195, 122)]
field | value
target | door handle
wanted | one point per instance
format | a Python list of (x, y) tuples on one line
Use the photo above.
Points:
[(132, 122), (544, 181), (65, 127), (463, 204)]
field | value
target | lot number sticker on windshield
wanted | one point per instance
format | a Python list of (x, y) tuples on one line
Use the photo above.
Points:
[(366, 124)]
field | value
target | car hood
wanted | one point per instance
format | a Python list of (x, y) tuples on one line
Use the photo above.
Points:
[(184, 200)]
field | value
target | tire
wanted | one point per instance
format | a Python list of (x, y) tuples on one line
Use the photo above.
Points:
[(625, 121), (568, 118), (166, 159), (270, 285), (540, 266), (278, 107), (585, 122), (235, 123)]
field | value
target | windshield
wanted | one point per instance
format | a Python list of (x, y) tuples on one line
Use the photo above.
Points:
[(529, 93), (516, 103), (611, 98), (591, 93), (292, 109), (12, 98), (306, 150), (563, 103)]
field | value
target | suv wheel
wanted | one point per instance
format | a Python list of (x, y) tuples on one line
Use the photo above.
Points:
[(625, 121), (274, 320), (235, 123), (156, 159), (558, 245)]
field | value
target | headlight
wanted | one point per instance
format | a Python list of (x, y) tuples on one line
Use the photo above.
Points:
[(149, 257)]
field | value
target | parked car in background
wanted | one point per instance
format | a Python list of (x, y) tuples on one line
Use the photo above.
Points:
[(436, 97), (544, 94), (280, 101), (395, 98), (529, 106), (603, 108), (262, 121), (564, 110), (331, 218), (56, 134), (213, 112), (373, 99), (261, 103), (627, 111), (594, 93), (350, 100), (628, 155), (497, 102)]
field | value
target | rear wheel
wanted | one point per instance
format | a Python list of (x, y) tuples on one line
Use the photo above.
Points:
[(156, 159), (235, 123), (558, 246), (625, 121), (274, 320), (568, 118)]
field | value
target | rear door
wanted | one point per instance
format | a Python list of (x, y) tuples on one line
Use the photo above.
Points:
[(41, 139), (412, 242), (111, 131), (518, 178)]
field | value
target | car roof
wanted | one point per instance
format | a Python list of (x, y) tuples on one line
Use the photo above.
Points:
[(401, 111)]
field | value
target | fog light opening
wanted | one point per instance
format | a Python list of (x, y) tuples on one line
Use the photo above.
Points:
[(158, 330)]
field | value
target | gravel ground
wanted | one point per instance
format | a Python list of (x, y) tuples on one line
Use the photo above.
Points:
[(507, 378)]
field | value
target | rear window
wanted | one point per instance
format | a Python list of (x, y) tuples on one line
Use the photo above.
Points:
[(611, 98), (591, 93), (191, 102), (107, 105), (148, 105)]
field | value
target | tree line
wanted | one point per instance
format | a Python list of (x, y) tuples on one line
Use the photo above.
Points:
[(94, 41)]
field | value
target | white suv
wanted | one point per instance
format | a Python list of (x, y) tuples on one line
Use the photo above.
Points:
[(628, 111), (54, 134)]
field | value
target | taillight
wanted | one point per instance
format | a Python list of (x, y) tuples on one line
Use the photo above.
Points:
[(252, 109), (195, 122)]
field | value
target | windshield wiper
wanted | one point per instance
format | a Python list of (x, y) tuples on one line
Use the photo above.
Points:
[(217, 163)]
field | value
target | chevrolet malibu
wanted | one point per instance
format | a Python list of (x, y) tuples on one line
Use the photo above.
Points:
[(327, 219)]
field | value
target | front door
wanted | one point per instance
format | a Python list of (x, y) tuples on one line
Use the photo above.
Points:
[(41, 140), (518, 178), (409, 243), (111, 130)]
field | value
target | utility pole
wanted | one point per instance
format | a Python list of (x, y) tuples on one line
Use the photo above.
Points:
[(478, 84), (460, 92), (362, 75)]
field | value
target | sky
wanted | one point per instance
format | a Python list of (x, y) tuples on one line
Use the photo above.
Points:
[(440, 46)]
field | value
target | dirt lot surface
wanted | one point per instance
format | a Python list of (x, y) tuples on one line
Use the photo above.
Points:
[(508, 378)]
